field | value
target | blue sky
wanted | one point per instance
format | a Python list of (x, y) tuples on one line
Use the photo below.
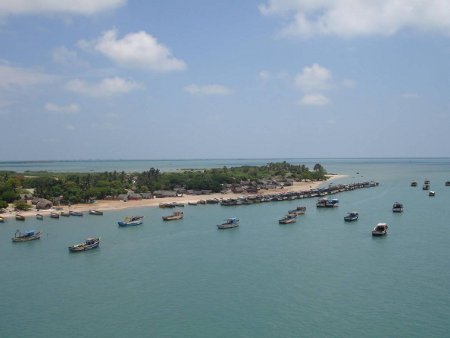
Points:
[(117, 79)]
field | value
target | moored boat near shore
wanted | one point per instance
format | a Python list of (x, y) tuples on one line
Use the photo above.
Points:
[(2, 220), (20, 217), (54, 215), (351, 216), (65, 213), (29, 235), (89, 244), (380, 229), (229, 223), (75, 213), (39, 217), (131, 220), (95, 212)]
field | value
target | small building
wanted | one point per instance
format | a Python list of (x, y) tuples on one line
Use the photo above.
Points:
[(164, 193)]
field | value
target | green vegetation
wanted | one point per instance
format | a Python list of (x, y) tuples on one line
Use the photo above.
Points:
[(83, 187)]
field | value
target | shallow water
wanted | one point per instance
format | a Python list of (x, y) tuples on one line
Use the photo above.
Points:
[(319, 277)]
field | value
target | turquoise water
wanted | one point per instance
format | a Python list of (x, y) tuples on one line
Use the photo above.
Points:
[(319, 277)]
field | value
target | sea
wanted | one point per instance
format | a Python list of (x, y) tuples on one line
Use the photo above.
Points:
[(318, 277)]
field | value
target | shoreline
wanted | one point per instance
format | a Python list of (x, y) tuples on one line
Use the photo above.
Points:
[(111, 205)]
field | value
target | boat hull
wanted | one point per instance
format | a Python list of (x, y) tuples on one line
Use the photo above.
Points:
[(125, 224), (27, 238), (84, 247)]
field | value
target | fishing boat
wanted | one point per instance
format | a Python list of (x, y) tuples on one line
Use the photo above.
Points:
[(288, 219), (75, 213), (20, 217), (327, 203), (39, 217), (192, 203), (380, 229), (54, 215), (447, 183), (413, 184), (26, 236), (2, 220), (95, 212), (65, 213), (431, 193), (229, 223), (351, 216), (397, 207), (175, 216), (425, 187), (131, 220), (89, 244)]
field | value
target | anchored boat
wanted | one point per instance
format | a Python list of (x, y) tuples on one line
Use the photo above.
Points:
[(380, 229), (351, 216), (95, 212), (229, 223), (131, 220), (89, 244), (26, 236), (397, 207), (175, 216)]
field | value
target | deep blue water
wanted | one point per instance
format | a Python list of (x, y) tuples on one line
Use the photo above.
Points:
[(319, 277)]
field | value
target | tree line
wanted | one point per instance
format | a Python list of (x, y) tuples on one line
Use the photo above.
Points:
[(82, 187)]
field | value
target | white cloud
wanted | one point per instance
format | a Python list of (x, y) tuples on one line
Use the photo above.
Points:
[(135, 50), (213, 89), (11, 76), (313, 78), (67, 109), (314, 99), (106, 87), (349, 18), (80, 7)]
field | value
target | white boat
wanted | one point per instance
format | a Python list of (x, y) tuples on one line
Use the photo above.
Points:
[(380, 229)]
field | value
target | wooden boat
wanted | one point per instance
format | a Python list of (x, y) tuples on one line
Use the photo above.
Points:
[(426, 187), (413, 184), (26, 236), (397, 207), (175, 216), (431, 193), (54, 215), (380, 229), (2, 220), (351, 216), (131, 220), (65, 213), (192, 203), (229, 223), (447, 183), (75, 213), (89, 244), (95, 212), (288, 219), (327, 203), (20, 217), (39, 217)]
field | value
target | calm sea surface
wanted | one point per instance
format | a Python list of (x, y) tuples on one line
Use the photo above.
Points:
[(319, 277)]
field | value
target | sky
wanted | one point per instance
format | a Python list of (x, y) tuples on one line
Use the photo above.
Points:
[(176, 79)]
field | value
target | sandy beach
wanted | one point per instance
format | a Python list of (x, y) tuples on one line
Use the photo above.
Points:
[(105, 205)]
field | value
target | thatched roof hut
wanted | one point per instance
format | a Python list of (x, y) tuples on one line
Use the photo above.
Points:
[(43, 204)]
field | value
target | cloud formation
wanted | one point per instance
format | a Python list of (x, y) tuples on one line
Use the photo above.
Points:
[(350, 18), (212, 89), (314, 99), (106, 87), (135, 50), (80, 7), (67, 109), (11, 76), (313, 78)]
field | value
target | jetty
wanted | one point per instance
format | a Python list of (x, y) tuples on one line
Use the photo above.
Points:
[(294, 195)]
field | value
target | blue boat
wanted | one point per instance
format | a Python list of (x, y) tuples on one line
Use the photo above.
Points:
[(131, 220)]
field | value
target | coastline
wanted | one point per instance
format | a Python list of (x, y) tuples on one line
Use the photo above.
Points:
[(109, 205)]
